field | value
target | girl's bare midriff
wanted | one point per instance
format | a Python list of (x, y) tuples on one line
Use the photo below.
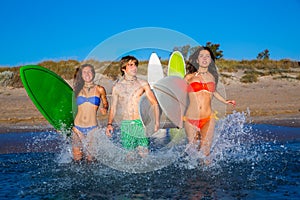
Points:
[(200, 105), (86, 115)]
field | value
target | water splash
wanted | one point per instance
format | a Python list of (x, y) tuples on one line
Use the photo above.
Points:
[(232, 141), (246, 163), (232, 137), (110, 153), (235, 141)]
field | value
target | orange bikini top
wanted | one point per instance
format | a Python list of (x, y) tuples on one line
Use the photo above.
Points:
[(198, 86)]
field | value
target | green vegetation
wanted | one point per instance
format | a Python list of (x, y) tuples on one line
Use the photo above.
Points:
[(265, 55), (249, 78), (10, 76), (215, 49), (64, 68), (187, 50), (266, 65), (112, 69), (252, 69)]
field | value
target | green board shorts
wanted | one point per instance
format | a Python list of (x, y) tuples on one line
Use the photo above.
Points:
[(133, 134)]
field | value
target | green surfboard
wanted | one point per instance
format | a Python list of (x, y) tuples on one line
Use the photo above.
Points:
[(52, 96), (176, 65)]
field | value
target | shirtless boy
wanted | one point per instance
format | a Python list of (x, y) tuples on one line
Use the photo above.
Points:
[(126, 94)]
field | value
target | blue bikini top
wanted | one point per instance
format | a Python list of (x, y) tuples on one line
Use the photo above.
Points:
[(93, 100)]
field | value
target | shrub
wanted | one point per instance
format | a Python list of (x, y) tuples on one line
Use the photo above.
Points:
[(249, 78), (284, 77), (6, 78)]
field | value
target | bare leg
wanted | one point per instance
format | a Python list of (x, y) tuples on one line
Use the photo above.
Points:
[(207, 134), (143, 151), (190, 131), (76, 147), (89, 147)]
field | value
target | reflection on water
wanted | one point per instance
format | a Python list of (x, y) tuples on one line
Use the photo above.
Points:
[(249, 162)]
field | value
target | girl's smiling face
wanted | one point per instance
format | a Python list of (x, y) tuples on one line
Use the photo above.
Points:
[(87, 74)]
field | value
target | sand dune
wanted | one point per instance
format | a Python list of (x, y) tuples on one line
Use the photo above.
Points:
[(269, 101)]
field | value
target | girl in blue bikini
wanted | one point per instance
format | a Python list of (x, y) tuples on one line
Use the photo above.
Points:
[(88, 98)]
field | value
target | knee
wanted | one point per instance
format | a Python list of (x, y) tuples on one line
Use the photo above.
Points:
[(77, 154)]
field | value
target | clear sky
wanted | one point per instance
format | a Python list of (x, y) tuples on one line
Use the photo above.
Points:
[(37, 30)]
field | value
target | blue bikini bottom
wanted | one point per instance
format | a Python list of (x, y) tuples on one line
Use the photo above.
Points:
[(85, 130)]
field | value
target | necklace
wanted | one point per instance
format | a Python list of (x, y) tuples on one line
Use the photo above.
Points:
[(89, 87), (201, 73), (130, 79)]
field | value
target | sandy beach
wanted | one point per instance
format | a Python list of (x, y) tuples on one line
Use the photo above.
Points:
[(269, 101)]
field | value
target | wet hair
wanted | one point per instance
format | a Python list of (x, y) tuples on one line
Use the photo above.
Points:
[(193, 66), (78, 80), (124, 60)]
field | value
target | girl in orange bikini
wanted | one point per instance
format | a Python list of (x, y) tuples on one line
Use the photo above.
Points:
[(202, 78)]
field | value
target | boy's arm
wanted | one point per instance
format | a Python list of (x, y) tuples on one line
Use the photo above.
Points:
[(112, 112), (151, 97)]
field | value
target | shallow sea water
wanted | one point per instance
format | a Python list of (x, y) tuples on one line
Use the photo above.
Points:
[(248, 162)]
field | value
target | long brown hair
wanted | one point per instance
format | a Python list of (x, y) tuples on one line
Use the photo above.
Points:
[(78, 80), (193, 66)]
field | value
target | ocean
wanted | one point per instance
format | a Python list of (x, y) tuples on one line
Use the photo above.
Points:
[(248, 161)]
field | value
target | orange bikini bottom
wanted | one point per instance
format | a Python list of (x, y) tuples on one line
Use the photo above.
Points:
[(199, 123)]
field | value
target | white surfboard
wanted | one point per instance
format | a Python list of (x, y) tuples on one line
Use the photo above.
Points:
[(146, 112), (171, 93), (155, 70)]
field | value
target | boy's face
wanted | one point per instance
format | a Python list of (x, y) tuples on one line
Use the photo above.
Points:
[(131, 68)]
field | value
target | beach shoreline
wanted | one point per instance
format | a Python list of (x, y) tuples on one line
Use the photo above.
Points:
[(274, 102), (287, 121)]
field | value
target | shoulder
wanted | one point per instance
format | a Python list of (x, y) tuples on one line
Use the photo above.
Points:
[(100, 88), (212, 77), (187, 77), (142, 82), (117, 86)]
